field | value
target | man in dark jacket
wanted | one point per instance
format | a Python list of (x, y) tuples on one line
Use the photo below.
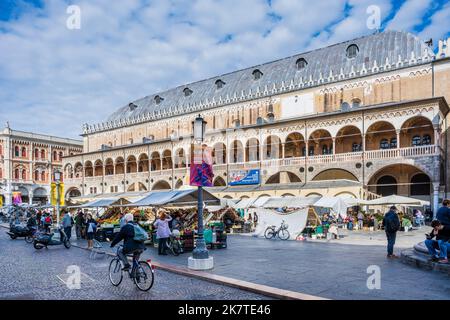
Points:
[(391, 225), (443, 214), (130, 246), (442, 234)]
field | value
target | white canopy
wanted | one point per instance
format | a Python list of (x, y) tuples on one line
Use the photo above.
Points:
[(336, 204), (399, 200), (290, 202)]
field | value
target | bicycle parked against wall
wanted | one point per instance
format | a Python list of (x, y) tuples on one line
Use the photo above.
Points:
[(282, 232), (141, 271)]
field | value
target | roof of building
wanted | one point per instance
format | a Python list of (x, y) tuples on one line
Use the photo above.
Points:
[(40, 137), (376, 53)]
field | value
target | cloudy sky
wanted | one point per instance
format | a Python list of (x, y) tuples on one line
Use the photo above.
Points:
[(53, 79)]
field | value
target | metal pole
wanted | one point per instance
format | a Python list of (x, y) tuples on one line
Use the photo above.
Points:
[(200, 251), (57, 204)]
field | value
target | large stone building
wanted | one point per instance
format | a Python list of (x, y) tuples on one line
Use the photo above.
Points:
[(361, 118), (27, 163)]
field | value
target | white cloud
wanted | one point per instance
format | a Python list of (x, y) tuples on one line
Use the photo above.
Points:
[(53, 79), (409, 15), (439, 26)]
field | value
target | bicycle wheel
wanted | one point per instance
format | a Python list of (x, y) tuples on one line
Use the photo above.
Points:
[(283, 234), (269, 233), (115, 272), (144, 276), (176, 248)]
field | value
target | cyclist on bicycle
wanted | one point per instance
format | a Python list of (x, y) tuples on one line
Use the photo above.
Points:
[(130, 246)]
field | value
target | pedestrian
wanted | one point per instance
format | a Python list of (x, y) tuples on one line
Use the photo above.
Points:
[(442, 234), (443, 214), (176, 223), (48, 221), (91, 228), (67, 222), (360, 220), (79, 221), (162, 231), (38, 218), (391, 225), (371, 222)]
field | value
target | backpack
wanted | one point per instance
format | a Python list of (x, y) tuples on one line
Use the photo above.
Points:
[(48, 219), (140, 235)]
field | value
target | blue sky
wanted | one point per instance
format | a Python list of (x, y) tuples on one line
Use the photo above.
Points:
[(52, 79)]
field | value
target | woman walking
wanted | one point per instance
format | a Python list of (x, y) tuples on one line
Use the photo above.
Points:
[(91, 228), (163, 231)]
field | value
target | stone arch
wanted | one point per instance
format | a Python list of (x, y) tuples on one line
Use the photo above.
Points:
[(79, 171), (252, 150), (98, 168), (167, 160), (143, 163), (68, 171), (314, 194), (345, 194), (416, 131), (320, 142), (236, 152), (348, 139), (180, 158), (295, 145), (219, 182), (73, 193), (272, 148), (141, 187), (40, 195), (395, 178), (88, 169), (132, 187), (227, 197), (161, 185), (335, 174), (131, 164), (286, 195), (120, 166), (420, 185), (381, 135), (219, 153), (109, 167), (155, 161)]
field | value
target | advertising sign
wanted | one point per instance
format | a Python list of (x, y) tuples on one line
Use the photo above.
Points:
[(244, 177), (201, 173)]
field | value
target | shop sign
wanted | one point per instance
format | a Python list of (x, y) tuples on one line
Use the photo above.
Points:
[(17, 197), (244, 177)]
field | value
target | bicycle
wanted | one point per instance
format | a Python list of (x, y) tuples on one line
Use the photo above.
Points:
[(282, 232), (141, 272), (174, 244)]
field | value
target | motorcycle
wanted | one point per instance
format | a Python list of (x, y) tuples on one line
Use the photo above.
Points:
[(45, 240), (18, 231)]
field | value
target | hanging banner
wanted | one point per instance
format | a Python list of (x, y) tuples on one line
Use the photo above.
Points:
[(17, 197), (244, 177), (201, 171), (1, 201)]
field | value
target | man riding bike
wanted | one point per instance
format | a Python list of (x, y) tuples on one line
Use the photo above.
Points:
[(130, 246)]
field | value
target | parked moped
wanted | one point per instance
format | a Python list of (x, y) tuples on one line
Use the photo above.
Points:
[(46, 239)]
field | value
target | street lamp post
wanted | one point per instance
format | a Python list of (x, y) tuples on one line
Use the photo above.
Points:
[(57, 175), (200, 259)]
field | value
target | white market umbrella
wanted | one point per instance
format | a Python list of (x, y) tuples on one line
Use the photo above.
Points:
[(395, 199)]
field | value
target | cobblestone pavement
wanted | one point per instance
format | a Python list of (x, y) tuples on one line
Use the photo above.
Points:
[(26, 273), (329, 270)]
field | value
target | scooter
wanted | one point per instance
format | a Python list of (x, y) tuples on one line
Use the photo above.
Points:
[(45, 240), (18, 231)]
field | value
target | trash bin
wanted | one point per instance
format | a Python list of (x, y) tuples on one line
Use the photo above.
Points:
[(207, 235)]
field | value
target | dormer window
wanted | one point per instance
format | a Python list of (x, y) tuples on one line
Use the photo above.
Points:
[(352, 51), (301, 63), (158, 99), (132, 106), (187, 92), (257, 74), (219, 84)]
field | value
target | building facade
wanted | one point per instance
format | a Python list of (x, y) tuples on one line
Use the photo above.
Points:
[(27, 163), (361, 118)]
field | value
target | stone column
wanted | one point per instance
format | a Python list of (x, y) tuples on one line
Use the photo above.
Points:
[(435, 198), (436, 135), (398, 138), (30, 197), (334, 145)]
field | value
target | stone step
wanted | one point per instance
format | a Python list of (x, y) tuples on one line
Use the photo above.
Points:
[(420, 260)]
